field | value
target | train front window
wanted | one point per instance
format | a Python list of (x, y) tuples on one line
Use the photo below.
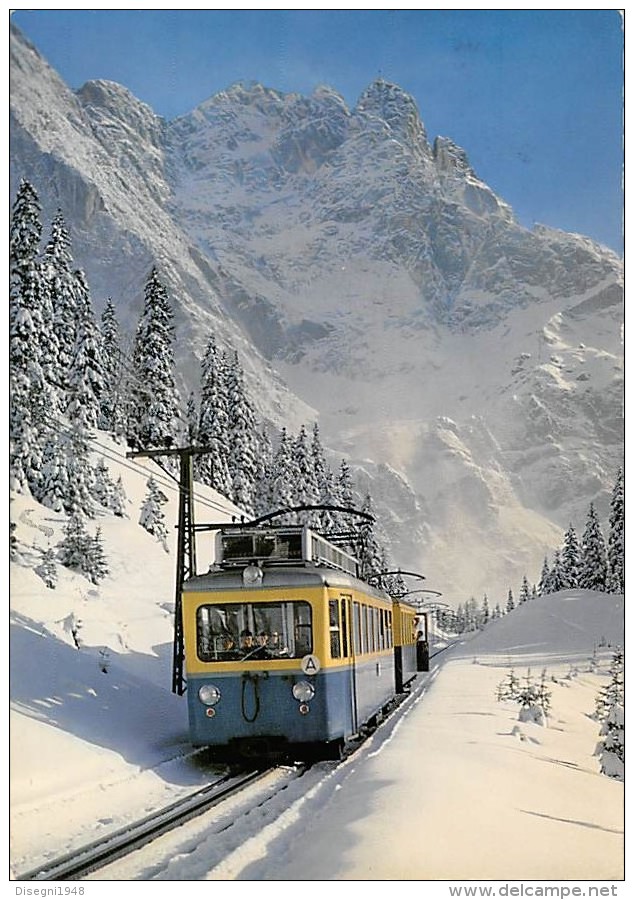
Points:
[(254, 631)]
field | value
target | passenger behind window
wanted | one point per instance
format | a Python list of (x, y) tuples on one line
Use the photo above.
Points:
[(229, 649), (275, 646)]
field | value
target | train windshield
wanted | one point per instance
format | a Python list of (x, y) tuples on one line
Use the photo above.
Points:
[(254, 631)]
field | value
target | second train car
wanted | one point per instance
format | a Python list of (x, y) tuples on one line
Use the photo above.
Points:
[(287, 650)]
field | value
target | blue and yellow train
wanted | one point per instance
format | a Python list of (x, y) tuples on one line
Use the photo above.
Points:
[(287, 651)]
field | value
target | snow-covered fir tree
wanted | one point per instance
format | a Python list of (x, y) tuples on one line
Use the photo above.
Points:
[(594, 565), (243, 438), (555, 580), (331, 520), (284, 478), (614, 692), (323, 481), (525, 591), (152, 413), (75, 549), (118, 500), (542, 587), (112, 412), (510, 602), (28, 291), (509, 687), (86, 382), (61, 287), (212, 468), (98, 564), (79, 496), (53, 488), (31, 398), (47, 569), (616, 538), (534, 699), (611, 713), (307, 490), (570, 560), (264, 472), (103, 485), (152, 517), (368, 551), (486, 612)]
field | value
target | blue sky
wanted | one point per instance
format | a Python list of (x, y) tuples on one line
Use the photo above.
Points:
[(533, 96)]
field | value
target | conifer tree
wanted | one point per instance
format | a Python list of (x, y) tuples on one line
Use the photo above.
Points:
[(118, 499), (593, 568), (510, 603), (525, 591), (555, 579), (86, 382), (613, 692), (307, 491), (74, 550), (97, 567), (112, 403), (152, 517), (53, 488), (242, 438), (61, 288), (486, 613), (31, 397), (103, 487), (47, 569), (264, 474), (152, 415), (81, 476), (611, 713), (570, 560), (368, 551), (323, 481), (616, 538), (542, 587), (284, 477), (212, 468)]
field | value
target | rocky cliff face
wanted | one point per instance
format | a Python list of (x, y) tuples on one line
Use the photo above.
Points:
[(470, 366)]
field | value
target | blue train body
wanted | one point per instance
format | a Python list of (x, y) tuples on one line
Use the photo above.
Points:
[(333, 653)]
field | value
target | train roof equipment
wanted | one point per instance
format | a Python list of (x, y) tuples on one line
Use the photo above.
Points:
[(279, 545)]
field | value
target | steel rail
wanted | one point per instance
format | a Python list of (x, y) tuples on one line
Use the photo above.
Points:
[(78, 863)]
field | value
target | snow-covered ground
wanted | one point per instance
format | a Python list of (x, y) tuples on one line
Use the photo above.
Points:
[(454, 787)]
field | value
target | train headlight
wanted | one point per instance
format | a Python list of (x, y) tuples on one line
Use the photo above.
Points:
[(209, 694), (252, 574), (303, 691)]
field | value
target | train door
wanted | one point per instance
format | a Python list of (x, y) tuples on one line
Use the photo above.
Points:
[(347, 628)]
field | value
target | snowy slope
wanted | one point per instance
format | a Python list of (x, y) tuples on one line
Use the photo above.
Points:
[(367, 276), (94, 749)]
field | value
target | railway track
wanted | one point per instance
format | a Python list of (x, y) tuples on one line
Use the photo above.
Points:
[(81, 862), (110, 848)]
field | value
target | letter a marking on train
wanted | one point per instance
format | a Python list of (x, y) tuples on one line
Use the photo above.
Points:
[(310, 665)]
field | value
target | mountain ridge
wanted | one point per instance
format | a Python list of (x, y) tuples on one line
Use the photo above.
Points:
[(365, 276)]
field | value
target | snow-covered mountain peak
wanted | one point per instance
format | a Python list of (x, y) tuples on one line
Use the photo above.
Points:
[(117, 100), (396, 109)]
